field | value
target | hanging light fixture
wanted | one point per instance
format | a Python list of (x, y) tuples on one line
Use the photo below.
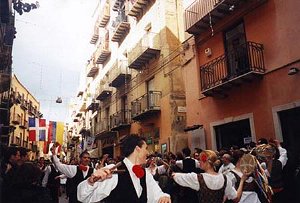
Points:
[(59, 100)]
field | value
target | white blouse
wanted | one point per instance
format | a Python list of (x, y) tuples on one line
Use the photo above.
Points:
[(213, 182), (247, 196)]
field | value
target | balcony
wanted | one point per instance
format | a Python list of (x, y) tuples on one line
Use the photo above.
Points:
[(102, 127), (31, 110), (144, 51), (146, 106), (16, 119), (117, 5), (103, 91), (18, 98), (243, 65), (120, 120), (24, 105), (92, 68), (119, 74), (104, 14), (24, 125), (202, 14), (82, 105), (80, 93), (79, 114), (95, 36), (103, 52), (92, 105), (121, 27), (135, 7)]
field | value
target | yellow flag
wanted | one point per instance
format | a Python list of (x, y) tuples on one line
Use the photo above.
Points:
[(60, 132)]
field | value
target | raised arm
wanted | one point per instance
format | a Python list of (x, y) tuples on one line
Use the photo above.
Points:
[(68, 170)]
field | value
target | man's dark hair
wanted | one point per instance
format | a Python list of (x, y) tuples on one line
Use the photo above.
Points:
[(23, 151), (9, 152), (198, 150), (129, 143), (83, 153), (186, 151)]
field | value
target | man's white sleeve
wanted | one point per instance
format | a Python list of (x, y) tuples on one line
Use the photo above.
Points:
[(94, 193), (46, 176), (154, 192), (69, 170)]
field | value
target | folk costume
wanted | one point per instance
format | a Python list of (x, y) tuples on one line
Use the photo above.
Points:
[(75, 174), (123, 187), (211, 188)]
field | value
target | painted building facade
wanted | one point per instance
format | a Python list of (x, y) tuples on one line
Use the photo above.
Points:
[(241, 73)]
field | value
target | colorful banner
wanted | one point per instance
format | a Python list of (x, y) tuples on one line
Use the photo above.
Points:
[(56, 132), (37, 129)]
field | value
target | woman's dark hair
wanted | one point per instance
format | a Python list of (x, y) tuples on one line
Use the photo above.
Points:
[(129, 143)]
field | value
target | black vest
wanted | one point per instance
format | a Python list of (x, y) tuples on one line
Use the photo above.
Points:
[(189, 165), (276, 179), (52, 182), (124, 191), (207, 195), (74, 182)]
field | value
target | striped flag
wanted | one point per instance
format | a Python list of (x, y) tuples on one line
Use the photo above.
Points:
[(37, 129), (56, 131)]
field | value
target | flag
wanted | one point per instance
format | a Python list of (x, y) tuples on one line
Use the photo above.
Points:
[(37, 129), (56, 132)]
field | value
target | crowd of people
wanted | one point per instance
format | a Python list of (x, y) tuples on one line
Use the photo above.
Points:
[(200, 176)]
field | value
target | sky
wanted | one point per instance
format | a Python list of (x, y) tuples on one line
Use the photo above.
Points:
[(51, 49)]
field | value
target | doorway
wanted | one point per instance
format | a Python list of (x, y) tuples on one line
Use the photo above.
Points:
[(236, 133), (290, 120), (236, 50)]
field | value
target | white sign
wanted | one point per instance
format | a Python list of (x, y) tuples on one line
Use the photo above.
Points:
[(181, 109), (247, 140)]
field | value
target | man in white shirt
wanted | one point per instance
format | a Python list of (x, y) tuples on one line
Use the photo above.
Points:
[(227, 165), (134, 184), (75, 174)]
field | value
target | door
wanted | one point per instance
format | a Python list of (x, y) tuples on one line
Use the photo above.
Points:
[(124, 109), (290, 120), (151, 96), (236, 50), (234, 133)]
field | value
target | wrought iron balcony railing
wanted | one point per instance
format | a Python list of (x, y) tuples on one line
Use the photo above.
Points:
[(121, 119), (104, 14), (119, 73), (103, 51), (103, 91), (104, 125), (147, 48), (145, 105), (136, 7), (202, 14), (16, 118), (117, 5), (92, 68), (245, 61), (121, 27), (95, 35)]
